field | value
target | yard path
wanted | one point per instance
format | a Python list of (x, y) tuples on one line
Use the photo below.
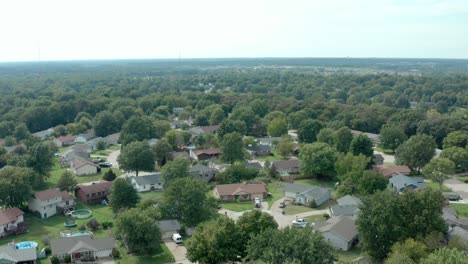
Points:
[(178, 251)]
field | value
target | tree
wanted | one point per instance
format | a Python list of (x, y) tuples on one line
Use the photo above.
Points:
[(15, 186), (290, 245), (416, 152), (109, 175), (412, 251), (67, 181), (326, 135), (93, 224), (362, 145), (459, 156), (346, 164), (456, 139), (136, 156), (438, 170), (277, 127), (40, 157), (101, 145), (122, 195), (160, 128), (371, 182), (317, 159), (138, 230), (254, 223), (175, 138), (229, 126), (162, 151), (236, 173), (343, 138), (21, 132), (217, 116), (388, 217), (186, 200), (137, 128), (178, 168), (308, 130), (105, 124), (214, 242), (391, 137), (232, 147), (285, 146), (446, 256)]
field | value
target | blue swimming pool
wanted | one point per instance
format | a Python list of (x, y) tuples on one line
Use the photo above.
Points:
[(26, 244)]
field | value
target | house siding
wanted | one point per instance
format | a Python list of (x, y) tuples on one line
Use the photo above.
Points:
[(85, 170), (48, 208), (336, 241)]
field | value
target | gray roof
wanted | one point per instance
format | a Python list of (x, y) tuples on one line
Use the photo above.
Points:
[(148, 179), (401, 181), (349, 200), (71, 154), (460, 232), (342, 226), (309, 191), (88, 135), (169, 225), (44, 133), (298, 188), (112, 139), (10, 253), (286, 164), (267, 140), (201, 168), (347, 210), (254, 165), (259, 148), (68, 245)]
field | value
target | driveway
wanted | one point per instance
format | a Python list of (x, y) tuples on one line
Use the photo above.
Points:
[(112, 158), (459, 187), (387, 158), (178, 251)]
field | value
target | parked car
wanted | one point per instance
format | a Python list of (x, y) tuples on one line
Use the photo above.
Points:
[(177, 238), (300, 223), (282, 205), (105, 164), (258, 203)]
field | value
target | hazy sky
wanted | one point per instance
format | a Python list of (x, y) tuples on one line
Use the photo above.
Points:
[(101, 29)]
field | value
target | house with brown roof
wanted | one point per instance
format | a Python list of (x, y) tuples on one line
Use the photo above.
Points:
[(286, 167), (11, 222), (205, 154), (240, 191), (50, 202), (390, 171), (340, 231), (81, 166), (64, 141), (94, 192)]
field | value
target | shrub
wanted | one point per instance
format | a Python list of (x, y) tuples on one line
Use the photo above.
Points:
[(93, 224), (109, 175), (67, 259), (54, 260), (106, 225), (46, 240), (101, 145), (115, 253), (82, 228), (312, 204), (47, 251), (326, 216)]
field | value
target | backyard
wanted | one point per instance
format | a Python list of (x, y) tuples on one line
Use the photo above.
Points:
[(462, 209)]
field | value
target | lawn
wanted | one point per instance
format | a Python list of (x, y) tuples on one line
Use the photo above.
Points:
[(316, 182), (150, 195), (275, 188), (348, 256), (273, 157), (164, 257), (435, 186), (291, 209), (315, 218), (238, 207), (462, 209)]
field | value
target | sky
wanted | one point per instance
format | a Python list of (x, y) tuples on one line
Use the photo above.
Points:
[(100, 29)]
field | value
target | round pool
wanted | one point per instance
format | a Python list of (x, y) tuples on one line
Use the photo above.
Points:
[(26, 244), (81, 213)]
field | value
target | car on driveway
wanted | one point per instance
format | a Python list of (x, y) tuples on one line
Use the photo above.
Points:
[(299, 223), (282, 205)]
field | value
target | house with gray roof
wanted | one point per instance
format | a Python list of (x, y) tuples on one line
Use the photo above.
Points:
[(168, 227), (85, 137), (286, 167), (9, 254), (459, 232), (260, 150), (146, 183), (202, 172), (349, 200), (305, 194), (268, 141), (254, 165), (340, 231), (82, 247), (402, 182), (112, 139), (344, 210), (44, 134)]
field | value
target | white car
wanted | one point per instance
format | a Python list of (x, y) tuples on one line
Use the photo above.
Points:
[(300, 223), (177, 238)]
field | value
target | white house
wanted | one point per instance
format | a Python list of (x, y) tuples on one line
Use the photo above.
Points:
[(339, 231), (11, 221), (50, 202), (82, 247), (85, 137), (147, 183), (81, 166), (305, 194)]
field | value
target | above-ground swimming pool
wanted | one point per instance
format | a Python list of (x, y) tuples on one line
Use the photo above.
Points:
[(26, 244), (81, 213), (75, 233)]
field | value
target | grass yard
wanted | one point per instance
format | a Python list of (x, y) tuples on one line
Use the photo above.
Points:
[(291, 209), (276, 190), (164, 257), (316, 182), (348, 256), (273, 157), (435, 186), (462, 209), (238, 207), (315, 218), (151, 195)]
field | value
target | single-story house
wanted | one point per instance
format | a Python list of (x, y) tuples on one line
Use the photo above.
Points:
[(94, 192), (402, 182), (375, 138), (260, 150), (147, 183), (268, 141), (254, 165), (85, 137), (459, 232), (202, 172), (9, 254), (64, 141), (205, 154), (378, 159), (340, 231), (81, 166), (240, 191), (11, 222), (70, 155), (347, 206), (175, 124), (305, 194), (200, 130), (177, 110), (349, 200), (286, 167), (112, 139), (168, 227), (82, 148), (93, 143), (390, 171), (50, 202), (44, 134), (451, 219), (82, 247)]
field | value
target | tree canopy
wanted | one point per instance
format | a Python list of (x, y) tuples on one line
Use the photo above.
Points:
[(122, 195), (136, 156)]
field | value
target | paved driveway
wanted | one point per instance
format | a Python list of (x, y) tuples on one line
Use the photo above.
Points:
[(112, 158), (178, 251), (459, 187)]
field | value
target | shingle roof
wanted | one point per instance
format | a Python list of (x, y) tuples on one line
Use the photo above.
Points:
[(255, 165), (212, 151), (349, 200), (9, 215), (148, 179), (267, 140), (347, 210), (401, 181), (231, 189), (168, 225), (389, 171), (259, 148), (66, 138), (298, 188), (342, 226), (200, 168), (51, 193), (68, 245), (286, 164), (79, 162), (96, 187), (10, 253)]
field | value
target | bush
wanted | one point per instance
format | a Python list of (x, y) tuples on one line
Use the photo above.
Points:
[(93, 224), (47, 251), (67, 259), (106, 225), (101, 145), (109, 175), (466, 181), (82, 228), (326, 216), (46, 240), (54, 260), (115, 253), (312, 204)]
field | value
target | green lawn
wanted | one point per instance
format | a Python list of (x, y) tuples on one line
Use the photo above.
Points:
[(150, 195), (291, 209), (316, 182), (238, 207), (354, 253), (435, 186), (164, 257), (276, 190), (462, 209)]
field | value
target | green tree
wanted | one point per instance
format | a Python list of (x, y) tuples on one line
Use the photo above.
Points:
[(391, 137), (136, 156), (290, 245), (229, 126), (137, 128), (138, 230), (371, 182), (160, 128), (178, 168), (326, 135), (308, 130), (109, 175), (186, 200), (233, 149), (236, 173), (162, 151), (254, 223), (105, 124), (346, 164), (446, 256), (343, 138), (459, 156), (15, 186), (122, 195), (416, 152), (456, 139), (285, 146), (101, 145), (214, 242), (40, 157), (439, 170), (175, 138), (317, 159), (67, 182), (277, 127), (21, 132), (362, 145), (217, 116), (411, 249)]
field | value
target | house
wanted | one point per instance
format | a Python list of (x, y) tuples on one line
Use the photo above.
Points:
[(112, 139), (93, 143), (286, 167), (254, 165), (151, 142), (402, 182), (202, 172), (375, 138), (9, 254), (200, 130), (168, 227), (183, 154), (81, 166), (305, 194), (340, 231), (451, 219), (390, 171), (205, 154), (268, 141), (64, 141), (94, 192), (240, 191), (378, 159), (177, 110), (71, 154), (260, 150), (347, 206), (11, 222), (147, 183), (219, 167), (85, 137), (83, 248), (459, 232), (349, 200), (44, 134), (50, 202), (82, 148)]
